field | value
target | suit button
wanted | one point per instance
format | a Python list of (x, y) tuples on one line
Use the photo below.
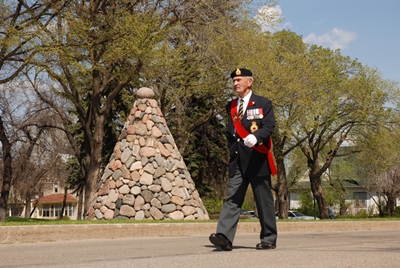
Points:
[(236, 152), (238, 140)]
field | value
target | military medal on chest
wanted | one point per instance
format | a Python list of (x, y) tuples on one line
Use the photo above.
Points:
[(253, 127), (254, 114)]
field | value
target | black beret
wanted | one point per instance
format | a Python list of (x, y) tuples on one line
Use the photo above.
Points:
[(241, 72)]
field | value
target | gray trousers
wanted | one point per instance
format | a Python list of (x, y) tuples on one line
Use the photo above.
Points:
[(229, 217)]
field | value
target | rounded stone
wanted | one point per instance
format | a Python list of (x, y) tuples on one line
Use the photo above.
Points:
[(145, 92), (139, 215), (127, 210), (109, 214)]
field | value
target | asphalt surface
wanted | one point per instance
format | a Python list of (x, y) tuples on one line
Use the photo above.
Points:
[(300, 244)]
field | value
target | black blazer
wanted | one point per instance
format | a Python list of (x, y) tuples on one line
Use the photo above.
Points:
[(251, 162)]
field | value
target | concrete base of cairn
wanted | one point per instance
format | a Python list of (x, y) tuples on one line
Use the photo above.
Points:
[(146, 177)]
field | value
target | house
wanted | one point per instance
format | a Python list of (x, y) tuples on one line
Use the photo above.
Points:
[(49, 194), (355, 196), (49, 206)]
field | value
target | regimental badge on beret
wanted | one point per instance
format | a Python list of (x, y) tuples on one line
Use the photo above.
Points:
[(238, 72)]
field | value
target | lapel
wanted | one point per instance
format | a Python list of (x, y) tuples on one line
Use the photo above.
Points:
[(250, 105)]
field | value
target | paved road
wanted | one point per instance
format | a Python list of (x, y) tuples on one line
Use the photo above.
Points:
[(374, 248)]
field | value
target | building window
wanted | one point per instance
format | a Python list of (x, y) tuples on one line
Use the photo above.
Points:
[(360, 199), (70, 210), (56, 187), (57, 211), (46, 211), (54, 210)]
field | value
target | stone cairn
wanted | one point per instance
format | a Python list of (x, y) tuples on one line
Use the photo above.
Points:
[(146, 177)]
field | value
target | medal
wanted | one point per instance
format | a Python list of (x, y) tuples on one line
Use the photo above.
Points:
[(255, 114), (253, 127), (235, 118)]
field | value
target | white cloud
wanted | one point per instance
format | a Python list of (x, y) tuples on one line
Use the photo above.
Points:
[(287, 25), (269, 17), (335, 39)]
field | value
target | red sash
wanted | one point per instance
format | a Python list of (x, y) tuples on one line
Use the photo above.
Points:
[(243, 134)]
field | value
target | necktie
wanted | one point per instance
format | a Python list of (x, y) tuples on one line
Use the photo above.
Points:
[(240, 112)]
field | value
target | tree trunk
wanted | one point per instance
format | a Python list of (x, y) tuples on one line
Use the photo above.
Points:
[(319, 195), (90, 186), (282, 194), (343, 207), (28, 207), (34, 208), (380, 205), (93, 161), (391, 203), (342, 199), (7, 173), (81, 204), (63, 203)]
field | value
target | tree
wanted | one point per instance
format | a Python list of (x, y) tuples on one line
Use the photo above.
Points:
[(100, 48), (18, 34), (342, 91), (7, 173), (31, 128), (17, 37), (343, 170), (283, 76), (389, 184), (321, 100), (378, 163)]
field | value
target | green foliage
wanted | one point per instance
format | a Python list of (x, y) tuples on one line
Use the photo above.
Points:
[(362, 213), (98, 55), (295, 164), (213, 205), (121, 108), (307, 204), (371, 210), (249, 203), (207, 158), (26, 220), (330, 196), (396, 212), (75, 178)]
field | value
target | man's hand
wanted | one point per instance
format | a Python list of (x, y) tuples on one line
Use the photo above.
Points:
[(250, 140)]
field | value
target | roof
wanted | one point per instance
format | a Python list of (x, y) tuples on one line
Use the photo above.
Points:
[(348, 184), (56, 198)]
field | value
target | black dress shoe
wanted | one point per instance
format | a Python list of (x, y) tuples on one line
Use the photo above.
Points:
[(221, 241), (265, 245)]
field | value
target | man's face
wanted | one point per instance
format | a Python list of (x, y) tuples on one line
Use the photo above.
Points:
[(242, 85)]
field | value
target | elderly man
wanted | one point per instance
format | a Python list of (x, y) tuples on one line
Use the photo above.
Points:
[(251, 122)]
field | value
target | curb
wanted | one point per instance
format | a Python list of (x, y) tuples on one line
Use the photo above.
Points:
[(75, 232)]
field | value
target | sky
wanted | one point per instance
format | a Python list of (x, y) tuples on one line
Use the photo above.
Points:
[(365, 30)]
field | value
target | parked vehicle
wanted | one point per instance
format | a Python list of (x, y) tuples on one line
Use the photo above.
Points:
[(295, 215), (252, 213), (244, 214)]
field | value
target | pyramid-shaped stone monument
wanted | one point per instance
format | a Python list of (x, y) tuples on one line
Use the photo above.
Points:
[(146, 177)]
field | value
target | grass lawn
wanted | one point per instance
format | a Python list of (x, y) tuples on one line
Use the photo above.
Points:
[(17, 221)]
